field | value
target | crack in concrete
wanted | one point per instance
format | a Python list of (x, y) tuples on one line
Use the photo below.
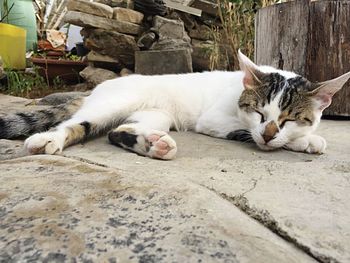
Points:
[(84, 160), (255, 183), (264, 217), (241, 202)]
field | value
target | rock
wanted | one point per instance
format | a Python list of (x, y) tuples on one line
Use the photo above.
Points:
[(62, 97), (87, 20), (118, 46), (171, 33), (118, 3), (94, 56), (206, 6), (57, 209), (303, 198), (98, 60), (168, 28), (92, 8), (97, 75), (10, 149), (189, 21), (11, 104), (201, 32), (146, 40), (154, 62), (169, 44), (207, 55), (127, 15), (125, 72), (150, 7)]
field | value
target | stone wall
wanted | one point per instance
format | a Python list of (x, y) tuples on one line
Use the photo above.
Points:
[(163, 42)]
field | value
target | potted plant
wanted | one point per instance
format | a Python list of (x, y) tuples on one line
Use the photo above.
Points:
[(55, 61)]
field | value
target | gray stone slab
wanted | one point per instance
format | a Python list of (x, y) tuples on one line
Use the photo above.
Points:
[(113, 44), (301, 197), (92, 8), (154, 62), (96, 76), (56, 208), (127, 15), (88, 20)]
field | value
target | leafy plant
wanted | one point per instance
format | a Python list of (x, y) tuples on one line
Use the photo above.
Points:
[(73, 57), (58, 82), (5, 11), (237, 19), (20, 83)]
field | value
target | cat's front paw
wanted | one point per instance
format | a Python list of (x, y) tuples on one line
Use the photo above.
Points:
[(152, 143), (313, 144), (43, 143), (317, 144)]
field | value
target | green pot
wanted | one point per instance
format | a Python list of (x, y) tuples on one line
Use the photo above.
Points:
[(22, 15)]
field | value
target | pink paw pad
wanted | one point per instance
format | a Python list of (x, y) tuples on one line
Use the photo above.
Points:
[(161, 147), (153, 138)]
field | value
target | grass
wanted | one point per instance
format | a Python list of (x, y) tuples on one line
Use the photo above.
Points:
[(20, 83), (237, 31), (33, 85)]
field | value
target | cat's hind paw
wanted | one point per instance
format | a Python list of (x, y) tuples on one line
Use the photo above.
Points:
[(161, 147), (151, 143), (313, 144), (43, 143)]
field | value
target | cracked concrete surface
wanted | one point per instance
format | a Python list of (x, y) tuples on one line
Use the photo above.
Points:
[(218, 201)]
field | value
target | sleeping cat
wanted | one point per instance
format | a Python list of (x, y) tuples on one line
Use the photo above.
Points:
[(273, 108)]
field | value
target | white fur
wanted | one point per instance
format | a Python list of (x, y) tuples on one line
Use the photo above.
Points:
[(203, 102)]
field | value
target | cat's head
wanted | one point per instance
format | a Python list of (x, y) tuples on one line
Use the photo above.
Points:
[(280, 106)]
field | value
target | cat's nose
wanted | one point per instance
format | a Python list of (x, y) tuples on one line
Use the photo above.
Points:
[(270, 131), (267, 137)]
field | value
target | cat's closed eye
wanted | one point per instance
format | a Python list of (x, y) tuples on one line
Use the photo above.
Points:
[(262, 116), (305, 121), (284, 122)]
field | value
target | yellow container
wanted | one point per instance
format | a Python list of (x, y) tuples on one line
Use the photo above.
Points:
[(13, 46)]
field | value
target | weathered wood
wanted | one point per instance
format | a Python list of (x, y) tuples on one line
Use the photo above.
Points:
[(206, 7), (309, 38), (183, 8)]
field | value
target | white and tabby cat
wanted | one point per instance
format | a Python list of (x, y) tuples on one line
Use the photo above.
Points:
[(273, 108)]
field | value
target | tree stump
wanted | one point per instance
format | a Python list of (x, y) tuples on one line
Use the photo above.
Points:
[(309, 38)]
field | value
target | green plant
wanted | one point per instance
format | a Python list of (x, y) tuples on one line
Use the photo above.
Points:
[(237, 19), (73, 57), (58, 82), (5, 11), (20, 83)]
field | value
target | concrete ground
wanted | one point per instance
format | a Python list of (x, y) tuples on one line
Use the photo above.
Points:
[(218, 201)]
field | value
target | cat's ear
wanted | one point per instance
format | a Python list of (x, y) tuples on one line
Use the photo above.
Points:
[(252, 75), (324, 91)]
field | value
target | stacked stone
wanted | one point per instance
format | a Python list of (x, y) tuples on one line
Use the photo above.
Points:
[(109, 32), (120, 38), (168, 48), (207, 40)]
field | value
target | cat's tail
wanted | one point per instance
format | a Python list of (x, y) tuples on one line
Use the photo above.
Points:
[(23, 124)]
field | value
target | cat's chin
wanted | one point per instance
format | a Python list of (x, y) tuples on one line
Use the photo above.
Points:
[(265, 147)]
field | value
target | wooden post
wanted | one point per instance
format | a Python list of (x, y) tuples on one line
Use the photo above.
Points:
[(309, 38)]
